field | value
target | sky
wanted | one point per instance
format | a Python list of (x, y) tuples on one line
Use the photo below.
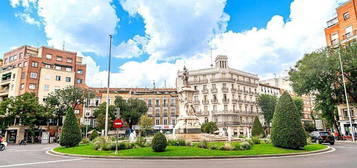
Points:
[(153, 39)]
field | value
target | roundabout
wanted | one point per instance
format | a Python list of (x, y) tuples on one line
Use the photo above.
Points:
[(37, 156)]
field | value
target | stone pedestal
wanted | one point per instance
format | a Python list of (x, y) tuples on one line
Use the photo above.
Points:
[(188, 125)]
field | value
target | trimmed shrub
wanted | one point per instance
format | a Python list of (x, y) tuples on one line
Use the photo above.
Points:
[(140, 141), (237, 146), (213, 147), (93, 135), (245, 146), (203, 144), (257, 129), (287, 130), (85, 141), (255, 140), (71, 133), (159, 142), (177, 142), (98, 143), (209, 127), (227, 147)]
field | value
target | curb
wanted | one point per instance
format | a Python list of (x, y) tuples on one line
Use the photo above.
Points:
[(188, 157)]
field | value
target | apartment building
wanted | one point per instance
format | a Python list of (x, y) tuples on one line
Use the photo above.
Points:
[(342, 30), (343, 27), (269, 90), (225, 95), (162, 104), (40, 71), (284, 84)]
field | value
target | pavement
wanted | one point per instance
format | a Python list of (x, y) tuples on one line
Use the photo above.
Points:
[(37, 156)]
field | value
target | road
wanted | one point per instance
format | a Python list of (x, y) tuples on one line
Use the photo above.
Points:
[(35, 156)]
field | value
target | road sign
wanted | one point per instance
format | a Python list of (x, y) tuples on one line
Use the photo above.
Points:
[(118, 123)]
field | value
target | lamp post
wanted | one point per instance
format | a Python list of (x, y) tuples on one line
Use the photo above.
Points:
[(346, 97), (108, 84)]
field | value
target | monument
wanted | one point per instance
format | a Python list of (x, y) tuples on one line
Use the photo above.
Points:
[(187, 122)]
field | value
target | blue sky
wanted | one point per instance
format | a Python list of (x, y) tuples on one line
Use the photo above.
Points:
[(163, 36)]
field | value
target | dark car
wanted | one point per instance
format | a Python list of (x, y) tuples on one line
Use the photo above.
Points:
[(322, 137)]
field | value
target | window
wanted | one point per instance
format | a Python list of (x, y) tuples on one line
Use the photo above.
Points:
[(79, 71), (157, 122), (173, 121), (348, 31), (76, 111), (213, 86), (346, 16), (68, 69), (58, 67), (23, 74), (58, 58), (46, 87), (58, 78), (68, 79), (225, 107), (32, 86), (47, 66), (215, 108), (25, 63), (157, 102), (34, 64), (47, 77), (149, 102), (79, 81), (22, 86), (33, 75), (48, 56), (165, 121), (69, 60)]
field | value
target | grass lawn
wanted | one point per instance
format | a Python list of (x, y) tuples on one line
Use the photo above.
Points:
[(260, 149)]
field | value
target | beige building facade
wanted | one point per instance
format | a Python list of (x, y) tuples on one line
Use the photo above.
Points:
[(225, 96)]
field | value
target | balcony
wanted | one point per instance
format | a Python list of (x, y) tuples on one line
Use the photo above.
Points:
[(205, 102), (222, 80), (214, 90), (349, 36), (172, 104), (196, 102), (214, 101), (205, 91), (195, 82), (228, 123), (166, 115), (332, 22), (157, 115), (234, 101), (225, 90), (225, 101), (233, 90), (4, 91)]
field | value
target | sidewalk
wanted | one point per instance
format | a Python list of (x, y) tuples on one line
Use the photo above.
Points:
[(339, 141)]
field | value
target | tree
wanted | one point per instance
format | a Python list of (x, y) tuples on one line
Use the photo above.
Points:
[(131, 110), (99, 114), (309, 127), (209, 127), (71, 97), (257, 129), (267, 104), (318, 73), (146, 123), (159, 142), (27, 109), (299, 103), (71, 133), (287, 130)]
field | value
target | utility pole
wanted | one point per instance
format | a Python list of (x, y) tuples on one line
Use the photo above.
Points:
[(108, 84), (346, 96)]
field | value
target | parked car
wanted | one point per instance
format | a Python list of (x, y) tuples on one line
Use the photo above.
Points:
[(322, 137)]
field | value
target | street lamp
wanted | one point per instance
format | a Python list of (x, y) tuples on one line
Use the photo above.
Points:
[(346, 97), (107, 105)]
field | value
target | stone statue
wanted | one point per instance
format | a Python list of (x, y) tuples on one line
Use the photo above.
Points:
[(185, 76)]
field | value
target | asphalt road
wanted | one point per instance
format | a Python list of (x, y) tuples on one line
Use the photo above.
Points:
[(35, 156)]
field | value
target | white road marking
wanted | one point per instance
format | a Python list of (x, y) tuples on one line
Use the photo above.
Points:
[(44, 162)]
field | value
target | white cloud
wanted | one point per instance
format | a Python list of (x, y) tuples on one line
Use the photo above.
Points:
[(83, 25), (182, 29), (27, 18), (179, 28), (278, 46)]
